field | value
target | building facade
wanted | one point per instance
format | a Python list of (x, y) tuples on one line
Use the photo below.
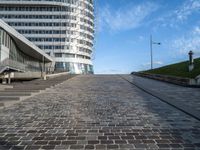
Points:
[(64, 29), (19, 56)]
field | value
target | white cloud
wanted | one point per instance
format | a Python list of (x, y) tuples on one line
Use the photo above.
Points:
[(191, 41), (141, 38), (146, 66), (158, 62), (112, 71), (127, 17), (154, 62), (196, 30), (181, 14), (189, 7)]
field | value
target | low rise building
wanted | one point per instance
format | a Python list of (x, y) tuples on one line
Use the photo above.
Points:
[(20, 58)]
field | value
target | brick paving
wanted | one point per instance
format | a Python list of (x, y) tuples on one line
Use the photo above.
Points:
[(96, 112)]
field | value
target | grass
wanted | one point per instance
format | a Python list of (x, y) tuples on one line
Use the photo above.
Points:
[(178, 69)]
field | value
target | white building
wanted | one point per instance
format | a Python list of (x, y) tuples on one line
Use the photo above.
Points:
[(19, 56), (64, 29)]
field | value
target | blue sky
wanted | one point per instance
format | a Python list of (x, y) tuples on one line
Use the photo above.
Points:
[(124, 28)]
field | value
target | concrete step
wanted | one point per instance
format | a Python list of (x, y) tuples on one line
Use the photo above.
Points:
[(37, 85), (22, 90), (15, 94), (9, 98), (2, 87), (33, 85), (26, 88), (2, 105), (32, 88), (42, 83)]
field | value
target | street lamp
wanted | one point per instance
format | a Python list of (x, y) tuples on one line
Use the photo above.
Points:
[(151, 49)]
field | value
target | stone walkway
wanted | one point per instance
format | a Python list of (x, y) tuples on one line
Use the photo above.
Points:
[(185, 95), (96, 112)]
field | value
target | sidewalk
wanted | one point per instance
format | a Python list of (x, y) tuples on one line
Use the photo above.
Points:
[(99, 112), (184, 98)]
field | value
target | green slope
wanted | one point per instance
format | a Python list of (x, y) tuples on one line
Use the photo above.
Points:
[(178, 69)]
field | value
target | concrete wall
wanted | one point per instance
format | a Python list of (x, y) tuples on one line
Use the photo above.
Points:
[(27, 75), (4, 53)]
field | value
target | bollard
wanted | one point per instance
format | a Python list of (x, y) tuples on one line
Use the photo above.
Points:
[(9, 78), (191, 60), (45, 77)]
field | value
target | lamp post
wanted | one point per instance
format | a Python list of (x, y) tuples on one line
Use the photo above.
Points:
[(151, 49)]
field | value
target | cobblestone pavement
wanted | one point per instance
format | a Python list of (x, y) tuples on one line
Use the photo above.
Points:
[(96, 112), (185, 95)]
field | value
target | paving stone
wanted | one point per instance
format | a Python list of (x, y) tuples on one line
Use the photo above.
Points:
[(38, 138), (41, 142), (26, 143), (48, 147), (96, 112), (69, 142), (76, 146), (126, 146), (114, 137), (82, 142), (93, 142), (61, 138), (148, 141), (127, 137), (102, 137), (106, 141), (141, 146), (135, 141), (89, 146), (120, 142), (54, 142), (32, 147), (61, 147), (100, 146), (112, 146), (162, 141), (175, 146), (163, 145)]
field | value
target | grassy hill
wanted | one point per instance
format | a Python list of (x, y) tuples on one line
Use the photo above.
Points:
[(178, 69)]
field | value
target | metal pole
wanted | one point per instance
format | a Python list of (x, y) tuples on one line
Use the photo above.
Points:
[(43, 57), (43, 66), (151, 49)]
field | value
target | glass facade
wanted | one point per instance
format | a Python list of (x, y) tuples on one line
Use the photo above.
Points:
[(64, 30), (67, 66)]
